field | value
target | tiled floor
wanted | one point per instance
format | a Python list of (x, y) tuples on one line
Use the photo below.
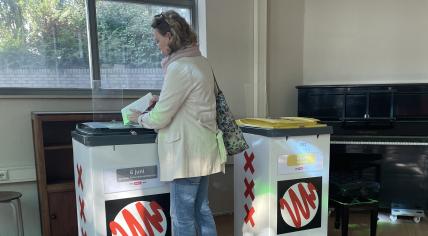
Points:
[(359, 226)]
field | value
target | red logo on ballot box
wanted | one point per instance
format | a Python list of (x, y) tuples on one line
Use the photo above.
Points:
[(138, 218), (299, 204)]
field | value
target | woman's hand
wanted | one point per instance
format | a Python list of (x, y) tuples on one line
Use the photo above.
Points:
[(133, 117), (153, 102)]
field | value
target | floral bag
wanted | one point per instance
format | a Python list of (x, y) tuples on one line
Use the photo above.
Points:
[(233, 138)]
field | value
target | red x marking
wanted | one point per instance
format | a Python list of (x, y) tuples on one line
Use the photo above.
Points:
[(249, 162), (79, 178), (249, 189), (249, 216), (82, 209), (83, 232)]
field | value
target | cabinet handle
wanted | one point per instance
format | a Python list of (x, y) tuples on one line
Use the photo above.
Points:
[(53, 216)]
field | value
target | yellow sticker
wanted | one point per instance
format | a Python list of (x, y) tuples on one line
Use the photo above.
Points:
[(301, 159)]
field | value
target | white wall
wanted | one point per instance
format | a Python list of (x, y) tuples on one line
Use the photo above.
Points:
[(365, 41), (285, 55), (230, 51)]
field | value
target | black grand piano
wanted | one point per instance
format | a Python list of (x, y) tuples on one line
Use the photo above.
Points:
[(387, 123)]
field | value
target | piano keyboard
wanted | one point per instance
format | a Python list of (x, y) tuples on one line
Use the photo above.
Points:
[(380, 140)]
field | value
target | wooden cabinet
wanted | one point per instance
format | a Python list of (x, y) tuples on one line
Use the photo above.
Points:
[(55, 168), (62, 213)]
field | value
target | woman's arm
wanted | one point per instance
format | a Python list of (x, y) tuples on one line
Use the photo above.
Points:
[(177, 86)]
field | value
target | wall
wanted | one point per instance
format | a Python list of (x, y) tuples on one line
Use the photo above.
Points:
[(285, 55), (230, 51), (229, 29), (365, 41)]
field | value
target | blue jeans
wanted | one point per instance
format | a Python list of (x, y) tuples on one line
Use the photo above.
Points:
[(190, 212)]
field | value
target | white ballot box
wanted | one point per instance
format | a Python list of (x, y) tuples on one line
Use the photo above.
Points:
[(281, 181), (118, 191)]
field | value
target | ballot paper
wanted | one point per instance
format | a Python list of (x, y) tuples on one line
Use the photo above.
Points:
[(140, 105)]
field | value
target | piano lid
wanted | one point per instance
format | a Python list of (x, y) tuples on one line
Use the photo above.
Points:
[(364, 102), (389, 109)]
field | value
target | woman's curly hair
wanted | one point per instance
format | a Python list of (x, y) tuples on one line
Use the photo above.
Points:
[(181, 32)]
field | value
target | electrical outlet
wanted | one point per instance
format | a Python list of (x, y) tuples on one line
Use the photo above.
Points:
[(3, 175)]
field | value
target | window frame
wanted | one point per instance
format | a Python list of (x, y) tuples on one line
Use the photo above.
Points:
[(93, 57)]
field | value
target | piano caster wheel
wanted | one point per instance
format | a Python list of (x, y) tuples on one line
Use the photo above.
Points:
[(393, 218), (416, 219)]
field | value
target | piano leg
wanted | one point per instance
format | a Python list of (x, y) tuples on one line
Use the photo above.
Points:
[(337, 216), (345, 220), (373, 220)]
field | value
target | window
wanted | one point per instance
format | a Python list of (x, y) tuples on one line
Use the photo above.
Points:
[(44, 43), (129, 57)]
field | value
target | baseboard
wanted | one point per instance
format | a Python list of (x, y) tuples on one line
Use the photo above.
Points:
[(222, 213)]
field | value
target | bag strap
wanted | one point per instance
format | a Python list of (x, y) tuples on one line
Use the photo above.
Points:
[(216, 87)]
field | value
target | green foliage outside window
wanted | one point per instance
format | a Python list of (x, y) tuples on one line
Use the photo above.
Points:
[(52, 34), (43, 34), (125, 36)]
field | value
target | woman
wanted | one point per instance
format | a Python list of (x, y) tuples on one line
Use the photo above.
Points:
[(185, 117)]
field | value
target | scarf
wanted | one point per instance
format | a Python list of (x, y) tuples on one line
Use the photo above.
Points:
[(189, 51)]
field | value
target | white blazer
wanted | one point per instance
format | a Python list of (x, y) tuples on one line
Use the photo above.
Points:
[(185, 117)]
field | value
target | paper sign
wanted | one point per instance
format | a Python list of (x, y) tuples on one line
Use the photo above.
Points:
[(140, 105), (301, 159), (131, 178)]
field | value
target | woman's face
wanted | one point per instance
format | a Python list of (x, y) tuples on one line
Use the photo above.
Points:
[(163, 41)]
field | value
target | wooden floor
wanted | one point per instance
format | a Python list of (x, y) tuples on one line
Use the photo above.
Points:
[(358, 226)]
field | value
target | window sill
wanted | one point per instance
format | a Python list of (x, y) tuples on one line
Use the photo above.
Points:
[(44, 93)]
